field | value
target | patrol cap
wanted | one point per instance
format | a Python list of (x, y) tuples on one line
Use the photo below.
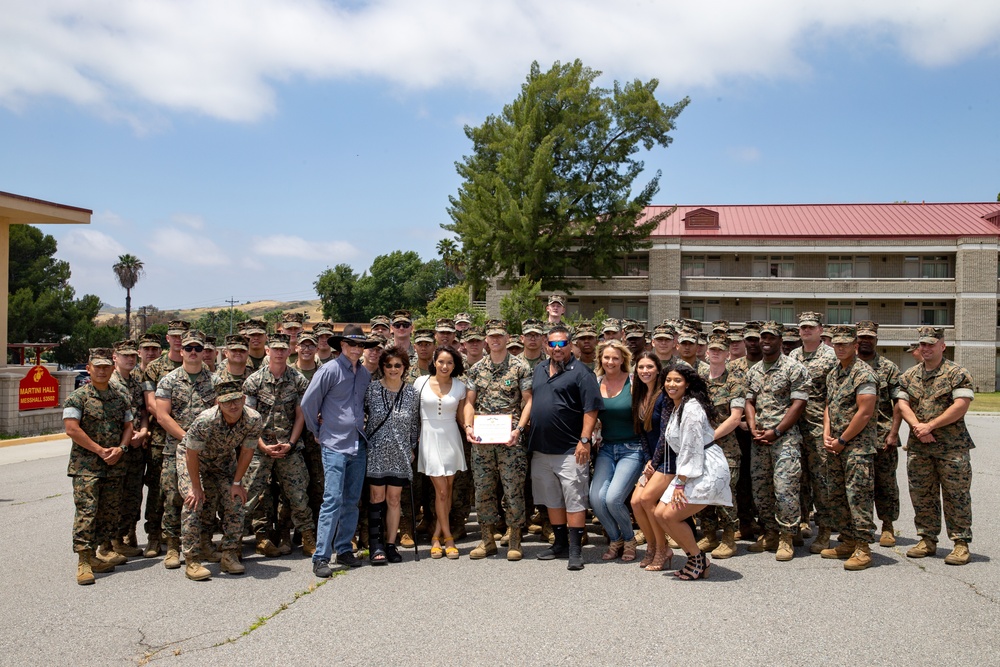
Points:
[(930, 334), (209, 342), (323, 328), (423, 336), (635, 331), (126, 346), (702, 340), (791, 336), (687, 335), (809, 318), (720, 326), (496, 327), (379, 339), (254, 327), (611, 324), (307, 336), (461, 318), (718, 341), (401, 316), (228, 390), (101, 356), (751, 329), (664, 331), (531, 325), (473, 333), (380, 321), (692, 324), (178, 328), (193, 336), (912, 347), (278, 340), (843, 333), (515, 343), (237, 342), (867, 328), (557, 298), (736, 335), (773, 328), (445, 325), (585, 329), (292, 320), (149, 340)]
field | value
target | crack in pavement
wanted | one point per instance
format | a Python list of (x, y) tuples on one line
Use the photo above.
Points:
[(36, 500), (916, 562)]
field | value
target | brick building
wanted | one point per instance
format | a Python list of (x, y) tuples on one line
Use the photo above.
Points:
[(901, 265)]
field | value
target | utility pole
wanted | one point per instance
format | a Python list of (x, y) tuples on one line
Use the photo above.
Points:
[(142, 314), (231, 302)]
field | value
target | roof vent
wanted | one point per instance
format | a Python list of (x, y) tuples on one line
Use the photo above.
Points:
[(993, 217), (702, 218)]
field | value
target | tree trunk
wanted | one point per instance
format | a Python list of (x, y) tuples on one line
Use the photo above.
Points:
[(128, 312)]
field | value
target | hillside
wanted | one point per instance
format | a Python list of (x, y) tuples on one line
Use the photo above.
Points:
[(313, 309)]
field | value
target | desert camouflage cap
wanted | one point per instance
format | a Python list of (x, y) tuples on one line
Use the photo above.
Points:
[(687, 335), (149, 340), (463, 318), (611, 324), (254, 327), (791, 336), (380, 321), (720, 326), (773, 328), (751, 329), (494, 327), (126, 346), (585, 329), (912, 347), (474, 333), (867, 328), (635, 331), (209, 342), (810, 318), (445, 325), (194, 336), (278, 340), (237, 342), (692, 324), (664, 331), (306, 337), (930, 334), (736, 335), (178, 327), (323, 328), (557, 298), (423, 336), (401, 316), (843, 333), (292, 320), (101, 356), (531, 325), (718, 341), (515, 343), (229, 390)]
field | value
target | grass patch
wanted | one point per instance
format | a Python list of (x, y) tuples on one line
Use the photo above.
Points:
[(986, 402)]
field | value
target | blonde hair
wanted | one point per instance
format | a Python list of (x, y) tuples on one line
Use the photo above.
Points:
[(622, 349)]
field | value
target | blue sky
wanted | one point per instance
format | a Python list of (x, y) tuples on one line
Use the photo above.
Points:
[(239, 148)]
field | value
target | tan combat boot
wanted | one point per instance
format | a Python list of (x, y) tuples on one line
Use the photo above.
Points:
[(120, 546), (546, 534), (265, 547), (131, 539), (514, 545), (925, 547), (888, 537), (108, 554), (230, 563), (861, 558), (805, 530), (821, 542), (488, 546), (843, 550), (766, 542), (172, 560), (505, 539), (285, 542), (98, 565), (308, 542), (709, 541), (959, 555), (152, 546), (727, 546), (194, 570), (208, 552), (84, 574), (785, 550)]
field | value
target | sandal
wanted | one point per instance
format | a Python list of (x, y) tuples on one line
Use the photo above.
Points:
[(614, 550), (650, 556), (695, 568), (661, 561), (450, 551), (392, 554), (628, 550), (378, 557), (436, 550)]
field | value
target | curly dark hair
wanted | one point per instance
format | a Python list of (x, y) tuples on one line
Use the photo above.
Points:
[(394, 352), (455, 356), (696, 389)]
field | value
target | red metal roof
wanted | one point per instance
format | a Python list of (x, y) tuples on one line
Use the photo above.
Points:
[(837, 220)]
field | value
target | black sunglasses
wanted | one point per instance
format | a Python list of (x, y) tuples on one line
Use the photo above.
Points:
[(351, 343), (194, 348), (402, 325)]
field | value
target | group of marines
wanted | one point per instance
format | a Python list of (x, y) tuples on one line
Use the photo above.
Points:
[(221, 447)]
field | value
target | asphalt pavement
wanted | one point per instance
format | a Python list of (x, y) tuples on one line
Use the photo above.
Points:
[(752, 609)]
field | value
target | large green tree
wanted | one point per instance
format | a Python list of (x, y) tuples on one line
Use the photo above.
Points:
[(335, 288), (551, 181)]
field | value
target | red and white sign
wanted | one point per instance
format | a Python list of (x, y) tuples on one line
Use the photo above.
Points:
[(37, 390)]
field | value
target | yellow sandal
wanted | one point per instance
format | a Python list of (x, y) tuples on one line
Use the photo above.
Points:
[(452, 551), (436, 551)]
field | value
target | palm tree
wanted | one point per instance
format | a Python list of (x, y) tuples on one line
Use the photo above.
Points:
[(128, 270)]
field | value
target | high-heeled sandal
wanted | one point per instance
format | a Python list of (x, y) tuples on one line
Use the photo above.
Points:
[(452, 551), (436, 550), (649, 557), (695, 568), (628, 550), (661, 561), (614, 550)]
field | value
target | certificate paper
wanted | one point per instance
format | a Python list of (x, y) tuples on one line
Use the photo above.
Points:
[(493, 429)]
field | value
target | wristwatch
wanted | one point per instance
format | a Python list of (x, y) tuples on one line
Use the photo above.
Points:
[(520, 429), (843, 443), (585, 440), (777, 432), (124, 449), (238, 482)]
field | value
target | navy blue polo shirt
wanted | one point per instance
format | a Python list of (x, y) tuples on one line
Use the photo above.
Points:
[(558, 405)]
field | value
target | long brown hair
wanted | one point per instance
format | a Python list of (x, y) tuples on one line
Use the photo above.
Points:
[(644, 422)]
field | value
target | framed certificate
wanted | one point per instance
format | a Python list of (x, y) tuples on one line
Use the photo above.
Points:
[(493, 429)]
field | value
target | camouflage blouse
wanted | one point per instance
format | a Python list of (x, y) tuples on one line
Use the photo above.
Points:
[(930, 393), (843, 386), (102, 416), (188, 398)]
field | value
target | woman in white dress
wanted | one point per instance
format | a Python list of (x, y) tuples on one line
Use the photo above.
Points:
[(441, 455), (702, 472)]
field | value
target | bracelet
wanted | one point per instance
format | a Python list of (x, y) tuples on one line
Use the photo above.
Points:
[(238, 482), (678, 486)]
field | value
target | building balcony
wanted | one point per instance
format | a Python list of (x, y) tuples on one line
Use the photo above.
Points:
[(820, 288)]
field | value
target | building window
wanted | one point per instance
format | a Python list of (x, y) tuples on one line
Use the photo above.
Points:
[(926, 313), (773, 266), (848, 266), (927, 266), (633, 309), (846, 312), (636, 265), (778, 310), (703, 310), (696, 266)]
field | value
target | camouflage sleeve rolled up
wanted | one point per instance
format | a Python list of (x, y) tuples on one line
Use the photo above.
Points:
[(843, 386), (210, 435), (103, 416), (929, 394)]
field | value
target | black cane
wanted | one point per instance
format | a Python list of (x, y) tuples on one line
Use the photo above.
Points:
[(413, 520)]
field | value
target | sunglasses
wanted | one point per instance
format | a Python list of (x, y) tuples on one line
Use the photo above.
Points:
[(401, 325), (351, 343), (194, 348), (396, 365), (558, 343)]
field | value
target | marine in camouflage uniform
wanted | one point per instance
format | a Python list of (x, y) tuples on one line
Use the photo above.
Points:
[(887, 422), (156, 371), (777, 388), (278, 399), (134, 461), (743, 499), (234, 343), (99, 421), (256, 333), (216, 443), (180, 397), (687, 341), (938, 464), (499, 389), (850, 466), (815, 490)]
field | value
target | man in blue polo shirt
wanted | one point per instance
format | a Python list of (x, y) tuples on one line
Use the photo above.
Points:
[(565, 401)]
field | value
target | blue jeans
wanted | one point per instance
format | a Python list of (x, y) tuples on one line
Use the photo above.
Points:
[(338, 516), (616, 469)]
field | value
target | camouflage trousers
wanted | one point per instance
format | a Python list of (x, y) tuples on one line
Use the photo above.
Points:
[(493, 464), (886, 486), (313, 456), (216, 478), (743, 498), (135, 468), (775, 474), (98, 508), (154, 496), (172, 499), (715, 517), (815, 487), (463, 494), (292, 478), (851, 480), (936, 477)]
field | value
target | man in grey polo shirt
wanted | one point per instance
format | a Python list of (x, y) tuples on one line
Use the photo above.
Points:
[(565, 401)]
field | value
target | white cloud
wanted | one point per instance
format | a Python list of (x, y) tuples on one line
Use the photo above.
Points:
[(92, 245), (183, 248), (296, 247), (193, 221), (128, 59)]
